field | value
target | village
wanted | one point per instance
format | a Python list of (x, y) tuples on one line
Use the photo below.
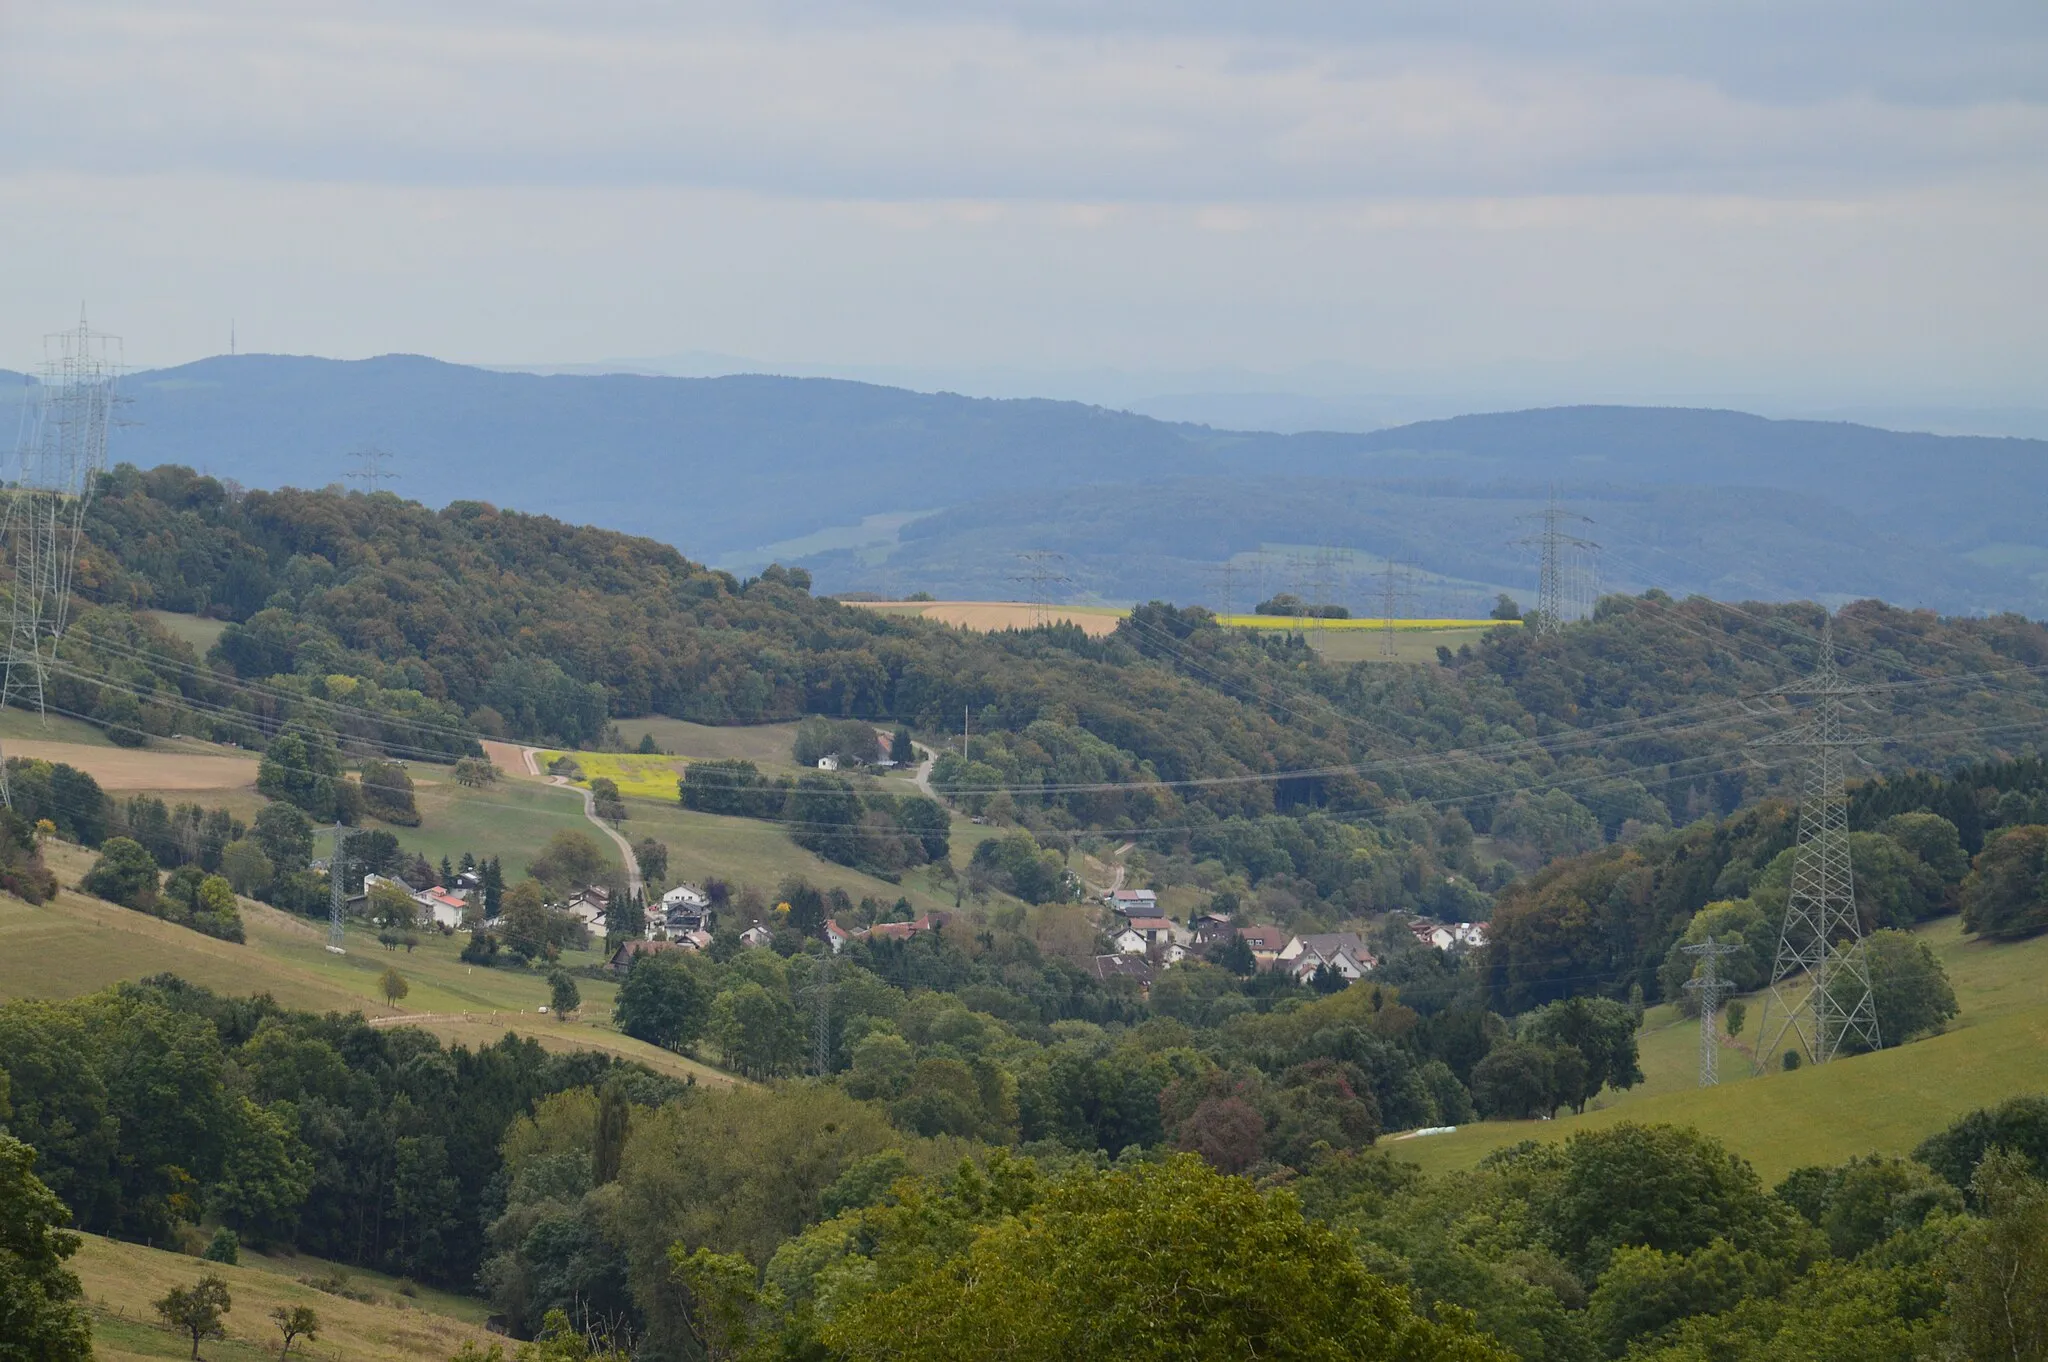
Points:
[(1143, 941)]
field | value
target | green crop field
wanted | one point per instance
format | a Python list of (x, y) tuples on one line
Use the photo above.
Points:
[(1368, 645), (763, 744), (1885, 1103), (77, 944)]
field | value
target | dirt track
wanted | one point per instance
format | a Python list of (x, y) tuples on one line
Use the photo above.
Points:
[(121, 768)]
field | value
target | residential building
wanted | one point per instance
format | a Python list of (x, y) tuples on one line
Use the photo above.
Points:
[(1266, 942), (1133, 967), (1133, 902)]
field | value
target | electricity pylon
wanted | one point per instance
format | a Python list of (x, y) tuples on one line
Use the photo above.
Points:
[(337, 889), (1564, 573), (1393, 580), (61, 452), (1710, 986), (1822, 937), (1042, 571)]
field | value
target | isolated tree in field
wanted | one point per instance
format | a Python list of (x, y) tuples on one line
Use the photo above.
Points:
[(652, 857), (40, 1318), (295, 1323), (563, 995), (606, 802), (196, 1310), (123, 874), (474, 773), (392, 985), (1737, 1017), (570, 858)]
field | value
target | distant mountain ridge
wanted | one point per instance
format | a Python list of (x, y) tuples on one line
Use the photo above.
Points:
[(731, 468)]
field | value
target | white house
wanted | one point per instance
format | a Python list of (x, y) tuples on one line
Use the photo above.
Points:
[(1340, 959), (1448, 935), (1129, 941), (685, 896), (1157, 931), (444, 908), (1326, 945)]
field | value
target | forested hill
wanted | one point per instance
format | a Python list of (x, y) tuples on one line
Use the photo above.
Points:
[(738, 470), (1347, 787)]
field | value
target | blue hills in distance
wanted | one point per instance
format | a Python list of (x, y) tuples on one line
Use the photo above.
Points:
[(878, 488)]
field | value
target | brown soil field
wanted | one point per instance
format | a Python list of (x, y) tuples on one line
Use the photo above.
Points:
[(133, 768), (1094, 620)]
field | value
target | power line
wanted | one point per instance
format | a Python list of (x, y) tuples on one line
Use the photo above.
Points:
[(1393, 585), (1822, 935), (1041, 570), (337, 889), (1710, 986), (372, 473), (1565, 576), (59, 456)]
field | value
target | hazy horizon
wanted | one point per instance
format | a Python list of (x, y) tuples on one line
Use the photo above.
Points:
[(1833, 210)]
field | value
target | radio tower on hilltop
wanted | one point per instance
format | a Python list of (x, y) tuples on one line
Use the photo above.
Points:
[(58, 459), (1822, 937), (1565, 572)]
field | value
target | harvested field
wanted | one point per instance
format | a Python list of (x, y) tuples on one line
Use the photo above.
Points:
[(144, 768), (1096, 621)]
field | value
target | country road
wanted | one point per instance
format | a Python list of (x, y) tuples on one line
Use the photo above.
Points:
[(634, 884)]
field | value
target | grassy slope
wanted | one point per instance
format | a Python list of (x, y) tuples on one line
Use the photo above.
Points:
[(78, 944), (759, 743), (121, 1280), (1886, 1102), (196, 630)]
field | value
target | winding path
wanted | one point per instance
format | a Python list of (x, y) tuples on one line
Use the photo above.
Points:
[(634, 884)]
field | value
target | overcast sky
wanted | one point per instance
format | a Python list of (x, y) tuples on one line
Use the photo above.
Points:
[(1588, 198)]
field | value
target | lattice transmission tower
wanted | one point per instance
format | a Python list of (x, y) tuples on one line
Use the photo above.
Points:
[(1822, 937), (59, 455), (1710, 986), (371, 473), (1567, 575), (1042, 570), (337, 889), (1393, 587)]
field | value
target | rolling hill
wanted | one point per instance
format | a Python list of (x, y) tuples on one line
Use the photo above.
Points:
[(884, 489)]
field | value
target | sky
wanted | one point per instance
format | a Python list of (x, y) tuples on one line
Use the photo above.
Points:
[(1806, 202)]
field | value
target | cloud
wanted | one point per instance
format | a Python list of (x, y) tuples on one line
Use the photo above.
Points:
[(1032, 101)]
